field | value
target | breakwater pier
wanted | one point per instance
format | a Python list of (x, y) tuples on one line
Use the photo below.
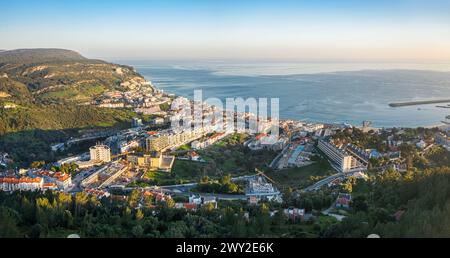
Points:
[(415, 103)]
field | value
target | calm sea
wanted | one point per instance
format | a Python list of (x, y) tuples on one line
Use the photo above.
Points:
[(316, 92)]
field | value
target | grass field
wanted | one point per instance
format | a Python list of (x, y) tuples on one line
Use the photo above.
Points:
[(188, 170), (159, 178), (226, 157), (229, 156), (63, 94), (74, 93), (298, 178), (182, 173)]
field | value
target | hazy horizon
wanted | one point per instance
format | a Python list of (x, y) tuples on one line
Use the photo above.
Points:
[(282, 68), (409, 30)]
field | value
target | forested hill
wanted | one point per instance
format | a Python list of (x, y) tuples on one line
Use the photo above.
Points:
[(50, 90), (58, 72), (23, 56), (34, 80)]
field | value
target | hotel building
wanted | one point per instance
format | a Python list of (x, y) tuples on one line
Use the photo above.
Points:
[(340, 159)]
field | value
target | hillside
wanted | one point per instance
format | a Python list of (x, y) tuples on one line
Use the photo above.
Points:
[(56, 76), (13, 89), (23, 56), (50, 89), (62, 74)]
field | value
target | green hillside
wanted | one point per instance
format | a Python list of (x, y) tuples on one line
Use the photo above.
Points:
[(40, 82), (44, 71), (23, 56), (48, 89)]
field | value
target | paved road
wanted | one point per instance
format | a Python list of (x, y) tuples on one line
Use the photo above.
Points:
[(319, 184), (328, 212), (276, 160), (325, 181), (185, 189)]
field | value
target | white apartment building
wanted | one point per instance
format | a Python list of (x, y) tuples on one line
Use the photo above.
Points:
[(344, 162), (63, 182), (100, 153), (164, 141), (310, 128), (126, 146), (21, 184)]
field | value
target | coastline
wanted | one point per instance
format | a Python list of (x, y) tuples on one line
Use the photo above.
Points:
[(436, 125), (312, 98)]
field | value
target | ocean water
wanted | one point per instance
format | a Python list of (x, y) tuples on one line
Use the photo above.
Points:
[(316, 92)]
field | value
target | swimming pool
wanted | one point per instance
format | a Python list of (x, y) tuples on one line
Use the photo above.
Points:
[(297, 151)]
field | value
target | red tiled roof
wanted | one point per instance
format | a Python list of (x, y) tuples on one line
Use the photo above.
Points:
[(49, 185), (261, 135), (147, 193), (190, 206), (63, 177), (13, 180), (216, 135), (343, 201)]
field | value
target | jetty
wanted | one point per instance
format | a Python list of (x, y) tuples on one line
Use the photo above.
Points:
[(415, 103)]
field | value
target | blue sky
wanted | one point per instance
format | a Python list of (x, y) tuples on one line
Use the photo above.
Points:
[(245, 29)]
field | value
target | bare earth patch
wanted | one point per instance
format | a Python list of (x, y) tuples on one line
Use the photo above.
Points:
[(4, 94)]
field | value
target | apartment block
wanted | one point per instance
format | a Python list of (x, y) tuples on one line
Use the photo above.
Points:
[(100, 153), (340, 159), (163, 141)]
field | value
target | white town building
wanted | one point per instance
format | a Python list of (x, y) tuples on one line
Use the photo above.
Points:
[(100, 153)]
